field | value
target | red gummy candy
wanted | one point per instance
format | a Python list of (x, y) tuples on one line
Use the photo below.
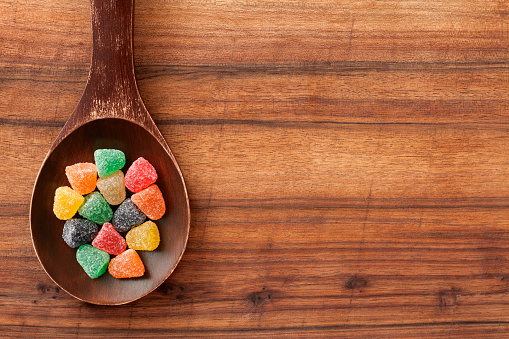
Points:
[(109, 240), (140, 175)]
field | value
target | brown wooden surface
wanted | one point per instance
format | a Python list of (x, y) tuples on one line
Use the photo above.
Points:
[(347, 165)]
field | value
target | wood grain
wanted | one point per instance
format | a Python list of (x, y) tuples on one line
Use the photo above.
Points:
[(346, 163)]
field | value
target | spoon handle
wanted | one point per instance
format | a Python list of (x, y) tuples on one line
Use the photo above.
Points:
[(111, 90), (112, 67)]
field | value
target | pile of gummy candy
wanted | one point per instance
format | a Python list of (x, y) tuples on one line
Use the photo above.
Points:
[(94, 208)]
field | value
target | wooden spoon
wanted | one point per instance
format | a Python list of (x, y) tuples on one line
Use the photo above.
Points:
[(110, 114)]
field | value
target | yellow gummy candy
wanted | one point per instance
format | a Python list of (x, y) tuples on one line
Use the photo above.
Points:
[(144, 237), (66, 203)]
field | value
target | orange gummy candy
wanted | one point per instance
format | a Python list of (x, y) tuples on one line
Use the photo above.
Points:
[(126, 265), (82, 177), (150, 201)]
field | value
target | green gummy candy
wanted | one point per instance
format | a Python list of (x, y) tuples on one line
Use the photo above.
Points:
[(108, 161), (96, 209), (93, 260)]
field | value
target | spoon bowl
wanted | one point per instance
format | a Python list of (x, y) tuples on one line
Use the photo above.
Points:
[(59, 260), (110, 114)]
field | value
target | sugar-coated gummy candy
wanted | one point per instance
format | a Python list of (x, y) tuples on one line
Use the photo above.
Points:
[(140, 175), (150, 201), (112, 187), (144, 237), (93, 260), (126, 265), (127, 216), (82, 177), (96, 208), (109, 240), (108, 161), (77, 232), (66, 202)]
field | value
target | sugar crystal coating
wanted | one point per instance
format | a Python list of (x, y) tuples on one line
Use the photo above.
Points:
[(150, 201), (77, 232), (126, 265), (127, 216), (130, 216), (93, 260), (108, 161), (140, 175), (144, 237), (66, 202), (96, 209), (82, 177), (109, 240), (112, 187)]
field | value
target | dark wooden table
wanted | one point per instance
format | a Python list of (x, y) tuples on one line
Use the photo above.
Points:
[(347, 165)]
